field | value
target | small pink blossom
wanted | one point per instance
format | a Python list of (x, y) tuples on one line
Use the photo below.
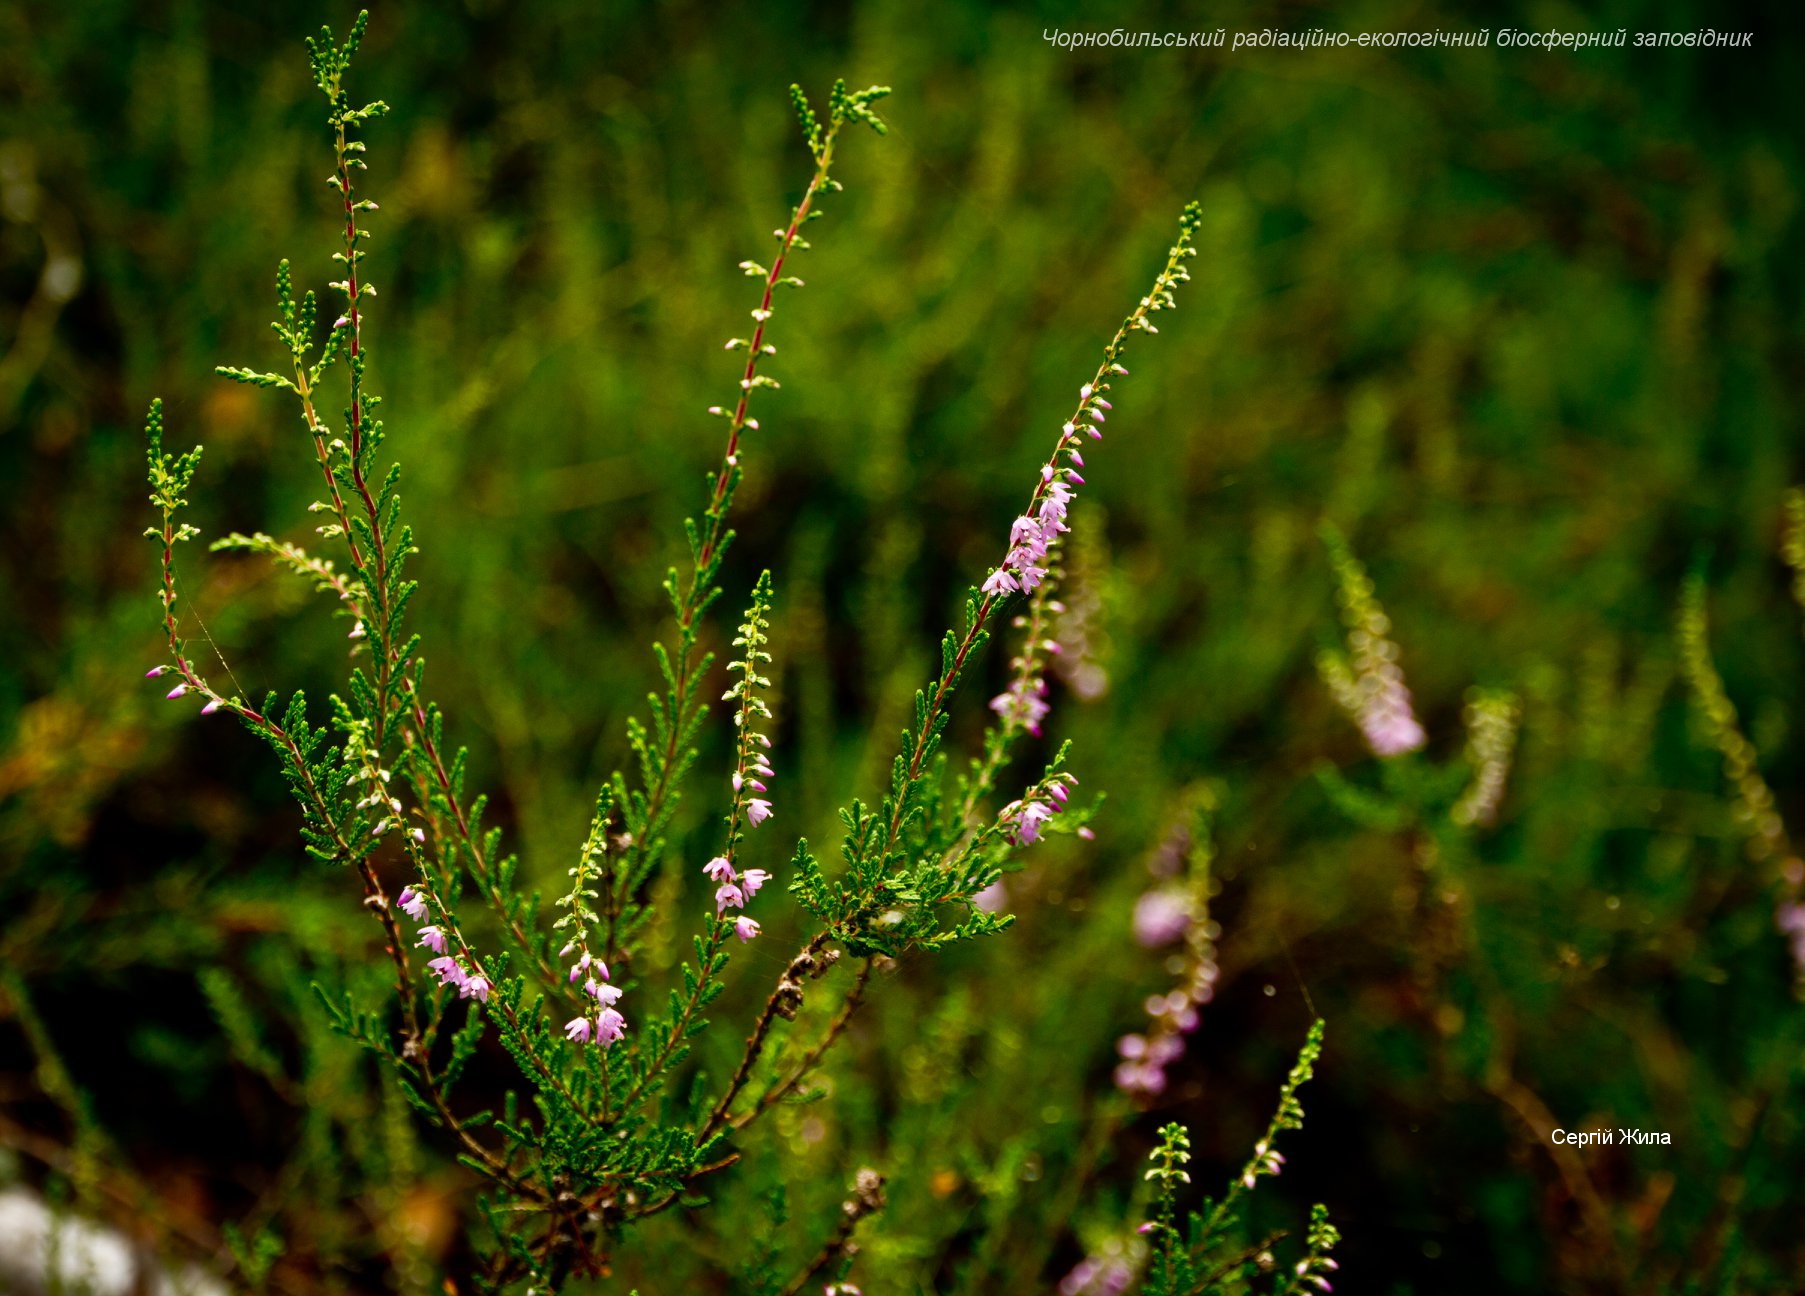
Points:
[(1161, 917), (606, 995), (413, 904), (1032, 816), (579, 1029), (757, 811), (1001, 581), (609, 1027), (745, 928), (433, 938)]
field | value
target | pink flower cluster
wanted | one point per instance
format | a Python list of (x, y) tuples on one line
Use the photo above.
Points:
[(1108, 1272), (733, 890), (1789, 917), (758, 769), (607, 1025), (469, 982), (1173, 909), (1024, 703), (1372, 689), (1028, 814), (1142, 1070), (1161, 916), (1037, 530)]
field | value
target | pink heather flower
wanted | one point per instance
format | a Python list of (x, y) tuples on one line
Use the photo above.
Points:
[(433, 938), (757, 811), (1789, 917), (578, 1029), (1024, 702), (1140, 1078), (213, 704), (1388, 722), (745, 928), (1000, 582), (992, 898), (1161, 917), (728, 896), (1031, 550), (719, 869), (475, 987), (1033, 815), (419, 836), (1058, 793), (175, 692), (581, 966), (447, 970), (606, 995), (1098, 1275), (752, 880), (609, 1026), (155, 671), (413, 904)]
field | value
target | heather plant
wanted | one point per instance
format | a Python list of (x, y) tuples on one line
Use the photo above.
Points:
[(1443, 805), (1756, 813), (1392, 243), (614, 1127), (1175, 910), (1205, 1253)]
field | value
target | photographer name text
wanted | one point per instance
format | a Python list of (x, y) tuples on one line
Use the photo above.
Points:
[(1609, 1138)]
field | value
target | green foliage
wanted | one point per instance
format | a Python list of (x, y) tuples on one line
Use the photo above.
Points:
[(1392, 245), (1208, 1254)]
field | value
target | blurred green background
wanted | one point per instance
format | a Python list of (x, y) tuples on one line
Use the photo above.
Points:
[(1526, 325)]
